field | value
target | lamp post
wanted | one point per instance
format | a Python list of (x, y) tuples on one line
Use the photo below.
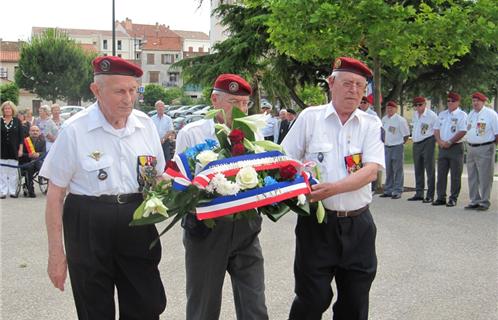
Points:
[(113, 31)]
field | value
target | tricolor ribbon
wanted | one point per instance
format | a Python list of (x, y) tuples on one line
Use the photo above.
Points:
[(28, 143)]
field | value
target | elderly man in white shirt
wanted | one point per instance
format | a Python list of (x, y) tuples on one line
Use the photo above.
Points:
[(396, 134), (482, 136), (271, 128), (424, 144), (164, 126), (449, 131)]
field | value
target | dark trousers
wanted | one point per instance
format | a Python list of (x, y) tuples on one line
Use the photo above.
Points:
[(450, 160), (29, 172), (103, 252), (423, 161), (168, 149), (342, 248)]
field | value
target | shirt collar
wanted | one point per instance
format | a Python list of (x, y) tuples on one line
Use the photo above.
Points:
[(97, 120), (330, 110)]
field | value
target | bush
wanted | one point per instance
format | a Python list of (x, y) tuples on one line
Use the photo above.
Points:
[(154, 92), (9, 92)]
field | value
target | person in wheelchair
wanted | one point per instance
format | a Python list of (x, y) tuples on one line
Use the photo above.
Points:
[(34, 152)]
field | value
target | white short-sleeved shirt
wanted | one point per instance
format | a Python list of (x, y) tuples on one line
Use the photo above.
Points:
[(69, 163), (268, 131), (163, 124), (396, 128), (423, 125), (449, 123), (318, 135), (482, 126), (370, 111)]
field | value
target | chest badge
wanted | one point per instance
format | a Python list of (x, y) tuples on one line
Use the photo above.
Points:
[(96, 155), (102, 175), (320, 157)]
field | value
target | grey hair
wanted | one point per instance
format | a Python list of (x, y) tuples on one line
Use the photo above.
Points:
[(46, 108), (158, 102)]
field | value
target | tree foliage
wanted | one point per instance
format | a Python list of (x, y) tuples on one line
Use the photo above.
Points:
[(53, 67), (154, 92), (9, 92)]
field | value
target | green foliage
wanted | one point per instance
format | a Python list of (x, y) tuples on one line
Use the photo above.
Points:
[(9, 92), (172, 94), (312, 95), (51, 66), (154, 92), (186, 100)]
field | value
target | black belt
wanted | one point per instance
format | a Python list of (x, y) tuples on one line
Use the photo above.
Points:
[(121, 198), (349, 213), (480, 144), (423, 140)]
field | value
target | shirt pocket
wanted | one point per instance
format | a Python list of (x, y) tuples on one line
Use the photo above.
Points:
[(98, 174), (322, 155)]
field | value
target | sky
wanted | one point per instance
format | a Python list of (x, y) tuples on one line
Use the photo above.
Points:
[(20, 15)]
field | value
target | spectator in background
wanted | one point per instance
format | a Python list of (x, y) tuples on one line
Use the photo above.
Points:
[(271, 123), (164, 127), (29, 116), (47, 126), (11, 149), (482, 137), (424, 143), (21, 115), (291, 117), (56, 116), (34, 148), (396, 134), (365, 106), (282, 125), (449, 131)]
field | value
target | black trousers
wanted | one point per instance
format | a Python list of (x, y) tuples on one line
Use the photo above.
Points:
[(342, 248), (104, 253), (450, 160), (423, 161)]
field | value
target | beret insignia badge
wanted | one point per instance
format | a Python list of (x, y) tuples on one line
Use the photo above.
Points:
[(233, 86), (337, 63), (105, 65)]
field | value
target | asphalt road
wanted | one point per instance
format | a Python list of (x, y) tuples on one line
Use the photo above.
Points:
[(434, 263)]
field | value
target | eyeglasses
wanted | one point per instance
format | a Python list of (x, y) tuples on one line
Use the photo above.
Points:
[(418, 104), (364, 102), (450, 100), (350, 84)]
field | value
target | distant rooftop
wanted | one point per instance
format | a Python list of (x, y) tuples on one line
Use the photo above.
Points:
[(192, 35), (79, 32)]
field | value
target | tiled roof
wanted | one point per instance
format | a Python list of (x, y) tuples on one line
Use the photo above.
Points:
[(194, 35), (88, 48), (80, 32), (9, 56), (10, 45), (147, 30), (174, 44)]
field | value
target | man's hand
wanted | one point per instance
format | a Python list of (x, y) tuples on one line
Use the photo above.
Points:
[(57, 269), (321, 191), (50, 137)]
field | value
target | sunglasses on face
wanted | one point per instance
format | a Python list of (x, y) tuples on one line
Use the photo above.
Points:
[(419, 104), (363, 102), (451, 100)]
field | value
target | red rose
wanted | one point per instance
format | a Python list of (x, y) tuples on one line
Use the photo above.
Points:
[(238, 149), (236, 136), (288, 172)]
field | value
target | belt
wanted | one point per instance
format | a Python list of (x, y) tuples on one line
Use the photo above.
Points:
[(393, 145), (349, 213), (423, 140), (121, 198), (480, 144)]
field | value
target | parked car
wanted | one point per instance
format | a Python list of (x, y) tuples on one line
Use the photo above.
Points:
[(176, 113), (152, 113), (202, 111), (178, 123), (193, 109), (68, 111), (192, 118)]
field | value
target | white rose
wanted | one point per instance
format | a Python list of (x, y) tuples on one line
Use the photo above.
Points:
[(301, 199), (247, 178), (206, 157), (222, 185)]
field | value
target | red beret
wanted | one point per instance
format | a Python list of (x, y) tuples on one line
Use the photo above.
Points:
[(454, 96), (232, 84), (419, 99), (112, 65), (352, 65), (391, 104), (364, 98), (479, 96)]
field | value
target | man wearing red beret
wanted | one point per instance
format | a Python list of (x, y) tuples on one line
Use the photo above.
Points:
[(365, 106), (482, 136), (449, 131), (345, 143), (96, 159), (423, 150), (233, 244), (396, 134)]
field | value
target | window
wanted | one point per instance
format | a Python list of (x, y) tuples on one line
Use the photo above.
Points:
[(167, 58), (137, 56), (150, 58), (177, 56), (104, 44), (201, 49), (153, 76), (173, 77), (4, 73), (119, 55), (190, 49), (119, 45)]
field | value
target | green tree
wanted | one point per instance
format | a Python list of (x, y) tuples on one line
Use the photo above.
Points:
[(9, 92), (172, 94), (154, 92), (51, 65), (312, 95)]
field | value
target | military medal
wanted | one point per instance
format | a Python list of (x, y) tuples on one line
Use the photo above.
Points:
[(96, 155), (102, 174)]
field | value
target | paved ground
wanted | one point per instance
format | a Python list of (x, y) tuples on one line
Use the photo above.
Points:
[(434, 263)]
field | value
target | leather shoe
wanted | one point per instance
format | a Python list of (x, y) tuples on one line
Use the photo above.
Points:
[(415, 198), (3, 197), (481, 208), (385, 195), (471, 206), (451, 203), (32, 195), (427, 200), (396, 196), (13, 196), (439, 202)]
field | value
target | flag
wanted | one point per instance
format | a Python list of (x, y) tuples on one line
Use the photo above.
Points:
[(29, 145), (370, 92)]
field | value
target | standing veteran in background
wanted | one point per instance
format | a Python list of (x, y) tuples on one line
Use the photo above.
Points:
[(365, 106), (98, 158), (449, 131), (424, 143), (397, 133), (482, 136), (346, 145), (232, 245)]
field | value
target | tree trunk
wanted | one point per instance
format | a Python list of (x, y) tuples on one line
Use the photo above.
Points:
[(378, 109), (256, 96)]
